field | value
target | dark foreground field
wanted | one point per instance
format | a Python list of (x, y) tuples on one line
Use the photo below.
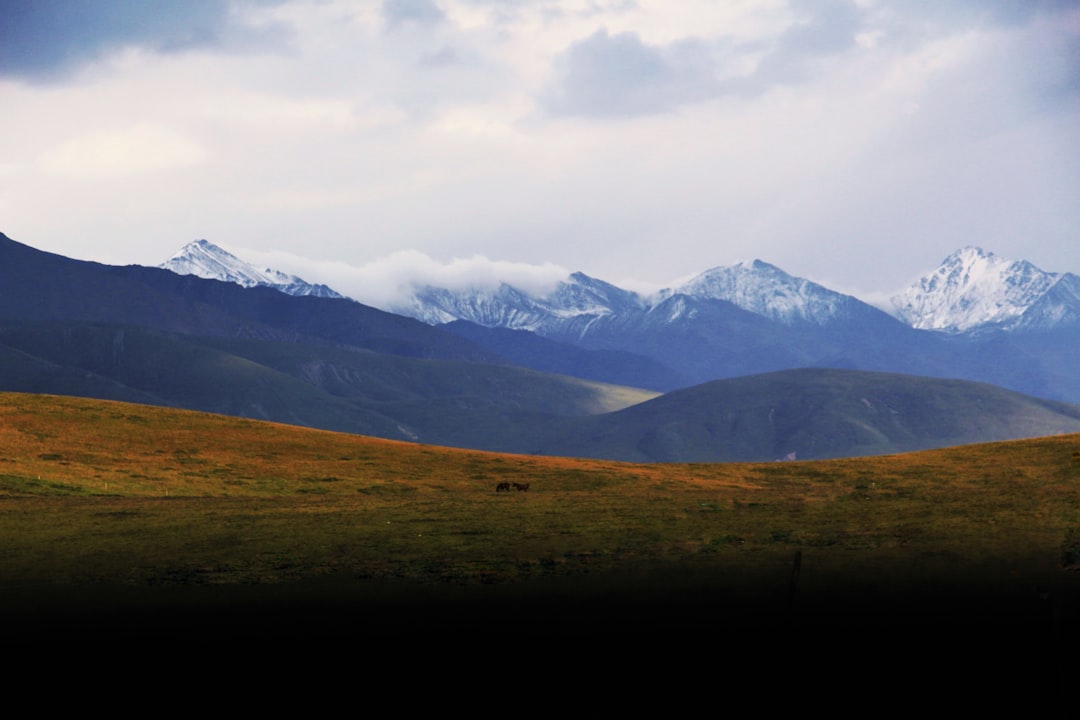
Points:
[(972, 636), (693, 602), (163, 528)]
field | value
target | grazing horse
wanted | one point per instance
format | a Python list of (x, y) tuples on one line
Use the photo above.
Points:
[(502, 486), (521, 486)]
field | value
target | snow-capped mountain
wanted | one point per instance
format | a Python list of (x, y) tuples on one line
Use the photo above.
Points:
[(974, 289), (767, 290), (206, 260), (751, 318), (580, 300), (577, 300)]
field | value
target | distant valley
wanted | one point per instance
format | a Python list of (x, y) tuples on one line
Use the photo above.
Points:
[(816, 374)]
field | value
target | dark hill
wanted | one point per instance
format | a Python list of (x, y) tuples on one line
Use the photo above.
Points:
[(809, 414), (152, 336), (527, 349), (43, 286)]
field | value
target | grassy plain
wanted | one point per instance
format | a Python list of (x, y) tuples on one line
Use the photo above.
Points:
[(110, 509)]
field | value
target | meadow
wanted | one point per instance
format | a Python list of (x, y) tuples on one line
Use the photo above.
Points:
[(114, 513)]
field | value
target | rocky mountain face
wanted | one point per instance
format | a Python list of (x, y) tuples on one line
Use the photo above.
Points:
[(206, 260), (572, 307), (975, 290), (768, 291), (580, 302)]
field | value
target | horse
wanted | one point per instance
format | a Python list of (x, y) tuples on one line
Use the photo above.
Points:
[(521, 486), (502, 486)]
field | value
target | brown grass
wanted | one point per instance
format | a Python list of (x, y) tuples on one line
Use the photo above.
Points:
[(95, 493)]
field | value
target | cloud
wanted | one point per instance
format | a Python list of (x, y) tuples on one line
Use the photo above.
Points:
[(612, 75), (133, 151), (416, 12), (832, 28), (389, 280), (609, 75), (45, 41), (937, 16), (620, 74), (848, 142)]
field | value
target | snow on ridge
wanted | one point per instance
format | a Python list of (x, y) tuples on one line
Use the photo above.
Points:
[(509, 307), (755, 286), (765, 289), (973, 288), (204, 259)]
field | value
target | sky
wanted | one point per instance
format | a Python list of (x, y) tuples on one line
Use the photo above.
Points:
[(375, 145)]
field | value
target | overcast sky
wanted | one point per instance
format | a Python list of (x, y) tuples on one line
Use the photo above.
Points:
[(856, 143)]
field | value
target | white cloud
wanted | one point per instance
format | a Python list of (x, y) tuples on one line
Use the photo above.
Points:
[(856, 142), (132, 151), (405, 12), (388, 280)]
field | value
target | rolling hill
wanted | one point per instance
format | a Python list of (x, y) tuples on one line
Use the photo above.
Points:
[(810, 414)]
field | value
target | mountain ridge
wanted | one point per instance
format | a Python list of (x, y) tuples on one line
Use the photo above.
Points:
[(971, 290), (974, 289), (207, 260), (753, 317), (151, 335)]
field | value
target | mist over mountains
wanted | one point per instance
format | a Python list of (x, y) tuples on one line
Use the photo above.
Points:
[(742, 363), (971, 290), (977, 317)]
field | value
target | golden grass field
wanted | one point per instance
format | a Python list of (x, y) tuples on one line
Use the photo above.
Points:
[(103, 500)]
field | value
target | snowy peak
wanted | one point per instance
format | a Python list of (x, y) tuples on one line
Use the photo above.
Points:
[(767, 290), (206, 260), (502, 306), (1059, 306), (974, 289), (580, 301), (583, 295), (577, 297)]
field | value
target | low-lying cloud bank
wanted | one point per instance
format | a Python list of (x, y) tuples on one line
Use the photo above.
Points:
[(387, 281)]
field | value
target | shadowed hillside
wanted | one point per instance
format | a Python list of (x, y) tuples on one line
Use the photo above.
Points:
[(149, 335), (809, 414)]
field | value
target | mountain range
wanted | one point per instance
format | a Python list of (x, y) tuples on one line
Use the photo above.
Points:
[(972, 290), (976, 317), (590, 370)]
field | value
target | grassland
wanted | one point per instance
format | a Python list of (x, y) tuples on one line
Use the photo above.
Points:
[(118, 508)]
